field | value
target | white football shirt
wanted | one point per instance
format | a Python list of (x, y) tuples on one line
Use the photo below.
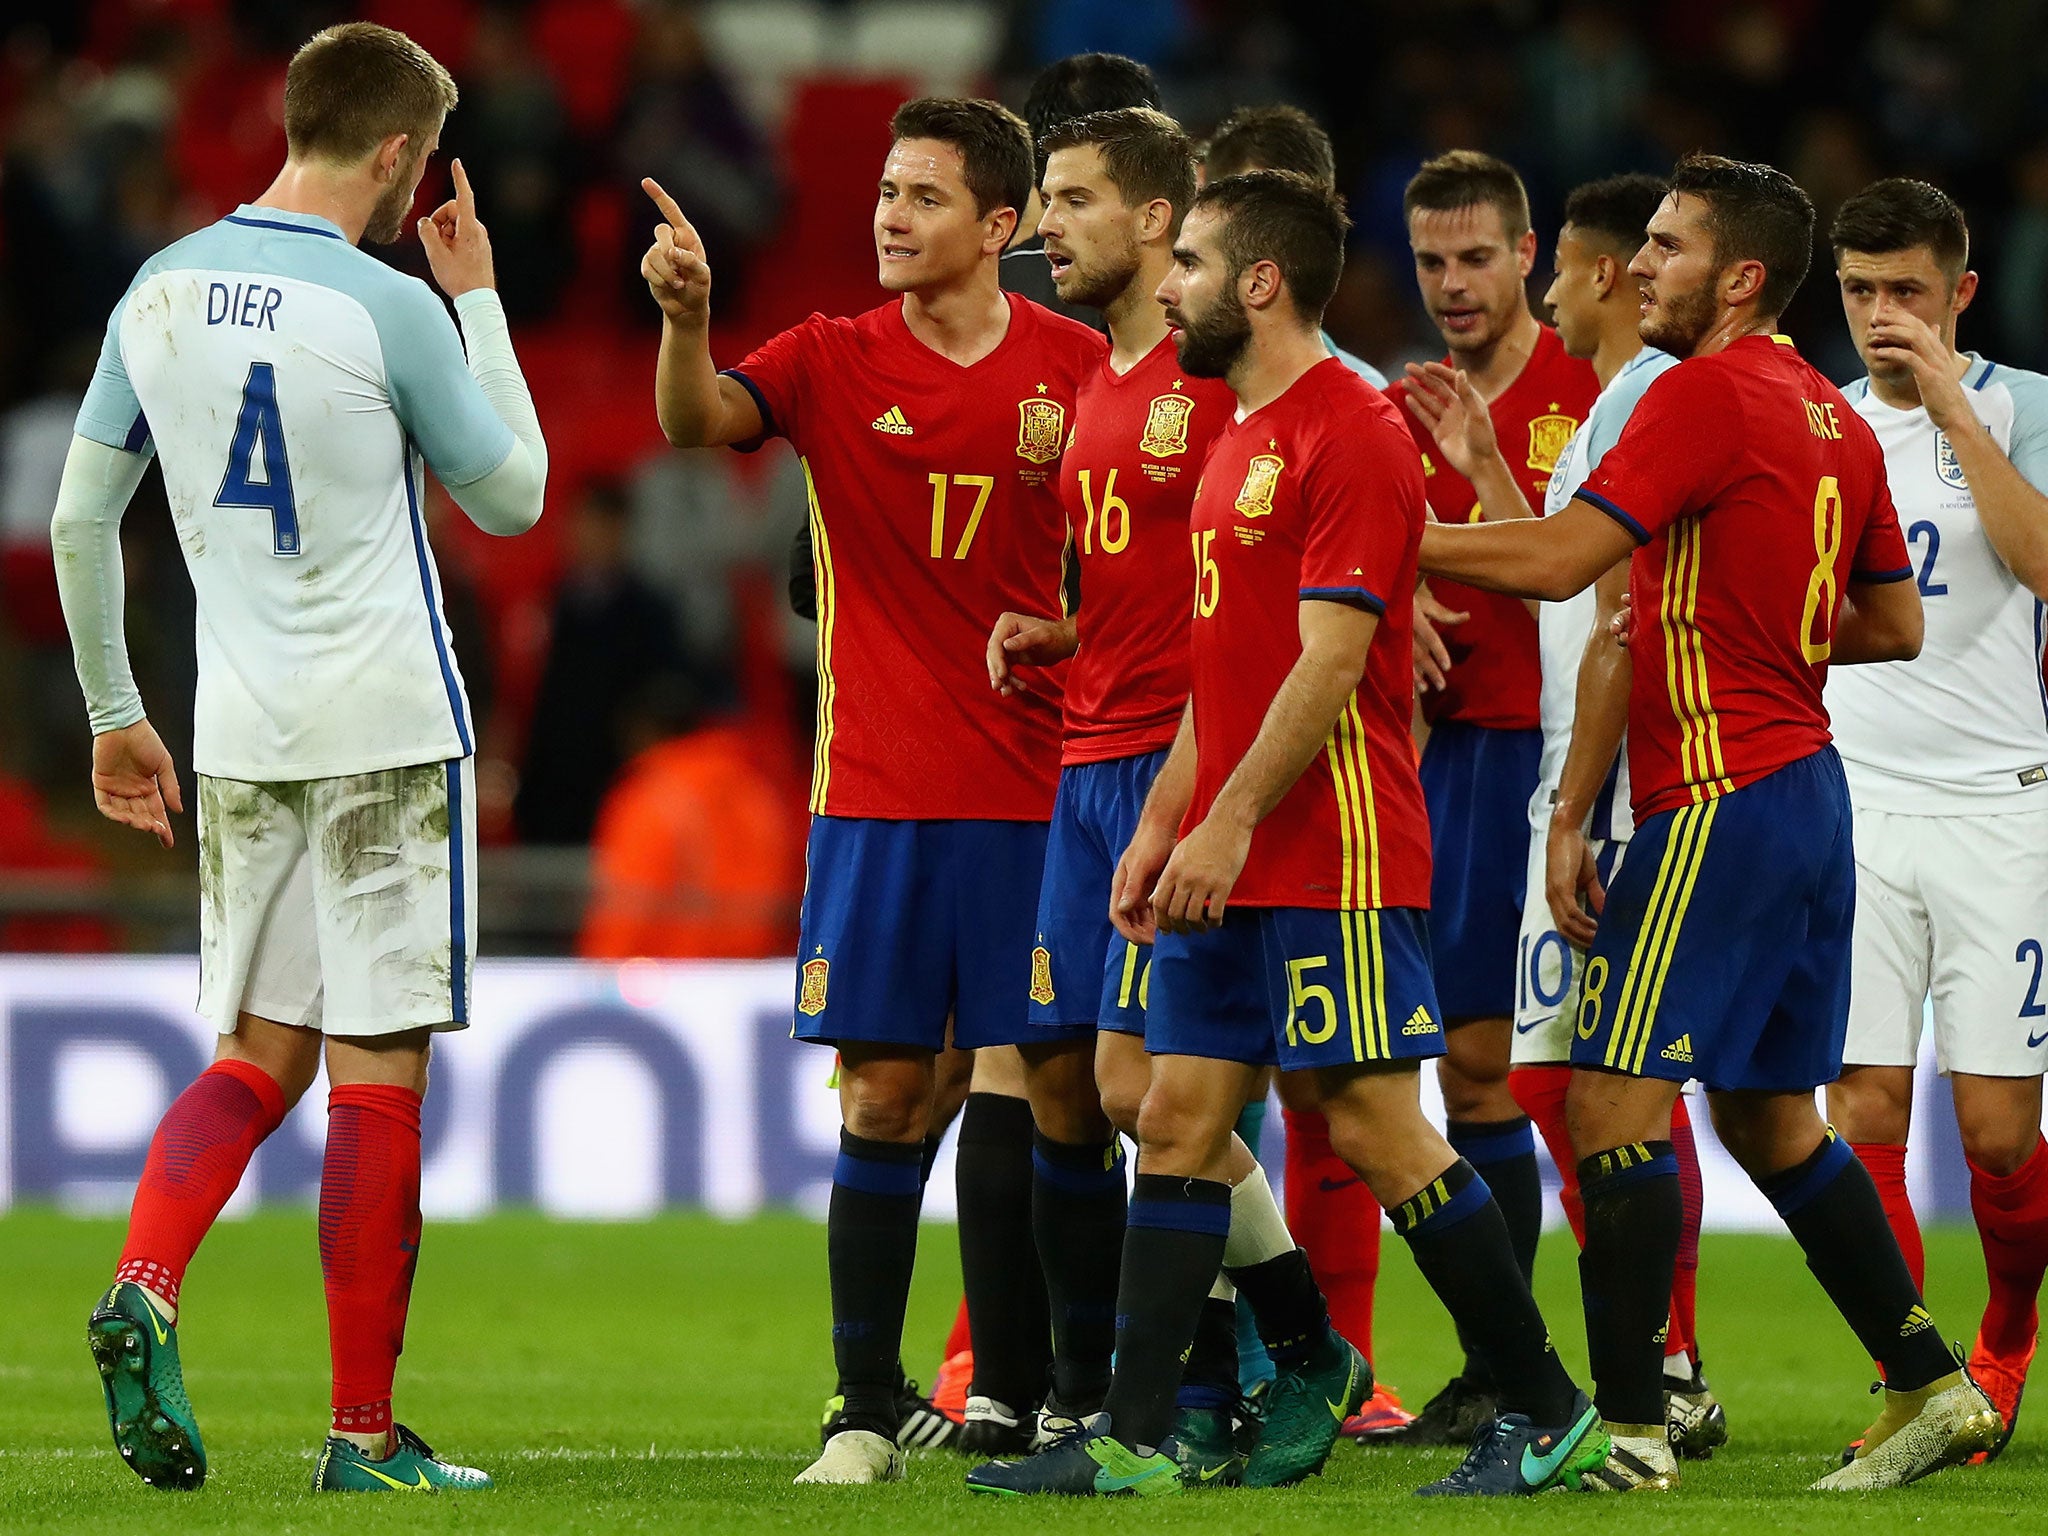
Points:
[(292, 387), (1562, 628), (1962, 729)]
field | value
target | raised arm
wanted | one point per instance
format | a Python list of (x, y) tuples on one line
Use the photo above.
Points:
[(698, 407), (457, 428)]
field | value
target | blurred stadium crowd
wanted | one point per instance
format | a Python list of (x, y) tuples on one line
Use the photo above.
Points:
[(642, 691)]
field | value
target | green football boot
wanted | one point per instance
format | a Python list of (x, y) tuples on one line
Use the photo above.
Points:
[(1212, 1445), (1084, 1463), (1305, 1410), (136, 1350), (411, 1468)]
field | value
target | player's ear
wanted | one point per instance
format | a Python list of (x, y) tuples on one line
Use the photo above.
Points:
[(1156, 220), (997, 230), (1742, 283), (1259, 284), (1606, 275), (1525, 253), (1966, 290), (389, 154)]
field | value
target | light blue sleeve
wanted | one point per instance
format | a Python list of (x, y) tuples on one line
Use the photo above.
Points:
[(110, 414), (1356, 364), (2029, 448), (438, 401), (1611, 412)]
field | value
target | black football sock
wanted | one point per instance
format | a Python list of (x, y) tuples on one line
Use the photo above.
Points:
[(1503, 1153), (1173, 1246), (871, 1246), (1006, 1307), (1461, 1245), (1210, 1379), (1635, 1214), (1287, 1305), (1833, 1210), (932, 1143), (1077, 1211)]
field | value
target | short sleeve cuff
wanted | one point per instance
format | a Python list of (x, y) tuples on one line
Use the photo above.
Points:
[(1635, 529), (1882, 578), (129, 437), (1355, 597), (768, 426)]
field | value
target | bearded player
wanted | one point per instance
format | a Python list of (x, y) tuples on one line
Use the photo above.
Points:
[(1579, 816), (930, 431), (1116, 185), (1468, 223), (1765, 549), (291, 386), (1282, 861), (1946, 758)]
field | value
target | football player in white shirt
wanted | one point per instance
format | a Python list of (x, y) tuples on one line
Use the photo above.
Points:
[(1947, 759), (1584, 773), (292, 387)]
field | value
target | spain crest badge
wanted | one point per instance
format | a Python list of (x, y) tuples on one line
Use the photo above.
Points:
[(1041, 430), (1041, 975), (1547, 437), (1261, 480), (811, 999), (1166, 426)]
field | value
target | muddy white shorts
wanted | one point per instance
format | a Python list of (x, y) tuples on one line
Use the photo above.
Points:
[(1956, 908), (346, 905)]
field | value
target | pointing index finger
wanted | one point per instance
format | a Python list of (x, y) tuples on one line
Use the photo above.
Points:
[(664, 202), (465, 199)]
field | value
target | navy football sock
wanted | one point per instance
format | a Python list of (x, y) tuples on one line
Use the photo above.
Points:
[(1635, 1213), (1503, 1153), (1077, 1210), (1173, 1246), (871, 1246), (1007, 1309)]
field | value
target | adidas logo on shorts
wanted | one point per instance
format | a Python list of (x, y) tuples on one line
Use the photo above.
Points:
[(1419, 1023), (1679, 1049)]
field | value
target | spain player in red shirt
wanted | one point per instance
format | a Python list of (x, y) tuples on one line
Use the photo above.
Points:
[(1282, 859), (1765, 548), (1468, 222), (930, 432), (1115, 187)]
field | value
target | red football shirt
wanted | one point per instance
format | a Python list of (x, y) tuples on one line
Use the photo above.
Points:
[(934, 507), (1128, 479), (1315, 495), (1495, 677), (1756, 492)]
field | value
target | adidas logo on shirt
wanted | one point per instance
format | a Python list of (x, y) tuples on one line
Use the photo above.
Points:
[(1679, 1050), (892, 422)]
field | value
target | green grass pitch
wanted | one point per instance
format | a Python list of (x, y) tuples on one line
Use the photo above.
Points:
[(667, 1376)]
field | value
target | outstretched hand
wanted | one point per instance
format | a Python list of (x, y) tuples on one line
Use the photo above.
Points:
[(1445, 400), (134, 782), (457, 245), (677, 274)]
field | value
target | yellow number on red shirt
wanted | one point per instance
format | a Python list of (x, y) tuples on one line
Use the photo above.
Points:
[(1208, 579), (1112, 505), (1822, 591), (983, 486)]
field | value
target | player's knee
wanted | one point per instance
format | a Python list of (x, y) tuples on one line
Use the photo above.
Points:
[(1178, 1133), (2000, 1145), (1121, 1099), (885, 1107), (1872, 1104)]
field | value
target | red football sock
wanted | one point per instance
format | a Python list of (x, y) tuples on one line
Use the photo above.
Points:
[(1886, 1162), (1685, 1275), (2012, 1221), (1336, 1221), (369, 1243), (962, 1337), (201, 1149), (1539, 1093)]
